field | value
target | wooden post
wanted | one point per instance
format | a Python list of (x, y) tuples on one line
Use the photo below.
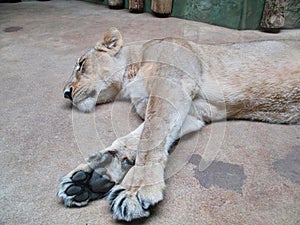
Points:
[(136, 6), (116, 4), (161, 8), (273, 15)]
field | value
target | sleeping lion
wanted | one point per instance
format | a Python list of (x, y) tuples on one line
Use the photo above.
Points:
[(176, 87)]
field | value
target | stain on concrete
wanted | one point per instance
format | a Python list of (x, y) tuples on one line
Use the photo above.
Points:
[(12, 29), (224, 175), (289, 167)]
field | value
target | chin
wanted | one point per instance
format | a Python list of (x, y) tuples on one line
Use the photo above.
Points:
[(87, 105)]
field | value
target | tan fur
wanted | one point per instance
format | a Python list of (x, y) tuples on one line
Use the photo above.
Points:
[(177, 87)]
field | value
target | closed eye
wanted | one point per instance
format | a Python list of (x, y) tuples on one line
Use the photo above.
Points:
[(80, 65)]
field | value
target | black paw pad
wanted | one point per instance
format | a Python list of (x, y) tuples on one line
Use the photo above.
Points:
[(79, 176), (88, 186), (73, 190), (100, 183), (82, 197)]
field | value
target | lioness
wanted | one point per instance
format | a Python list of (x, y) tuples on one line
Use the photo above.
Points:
[(177, 87)]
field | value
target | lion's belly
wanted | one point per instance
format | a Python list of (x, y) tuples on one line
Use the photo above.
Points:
[(259, 81)]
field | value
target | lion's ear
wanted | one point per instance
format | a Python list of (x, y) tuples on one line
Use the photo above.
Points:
[(111, 43)]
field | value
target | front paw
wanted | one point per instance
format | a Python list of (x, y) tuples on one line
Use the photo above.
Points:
[(134, 203), (83, 185)]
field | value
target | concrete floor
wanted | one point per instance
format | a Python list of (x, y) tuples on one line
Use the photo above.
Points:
[(254, 179)]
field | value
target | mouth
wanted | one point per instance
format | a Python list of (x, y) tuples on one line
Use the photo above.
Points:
[(86, 105)]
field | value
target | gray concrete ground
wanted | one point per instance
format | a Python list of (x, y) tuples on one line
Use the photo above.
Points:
[(255, 178)]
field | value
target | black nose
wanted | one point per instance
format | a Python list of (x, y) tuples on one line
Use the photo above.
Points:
[(68, 93)]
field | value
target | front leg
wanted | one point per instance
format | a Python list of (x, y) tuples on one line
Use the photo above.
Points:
[(106, 168), (144, 184), (102, 170)]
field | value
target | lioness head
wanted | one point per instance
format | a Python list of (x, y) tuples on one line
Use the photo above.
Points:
[(97, 75)]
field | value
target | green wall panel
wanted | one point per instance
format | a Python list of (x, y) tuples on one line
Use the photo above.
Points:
[(292, 15), (236, 14)]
